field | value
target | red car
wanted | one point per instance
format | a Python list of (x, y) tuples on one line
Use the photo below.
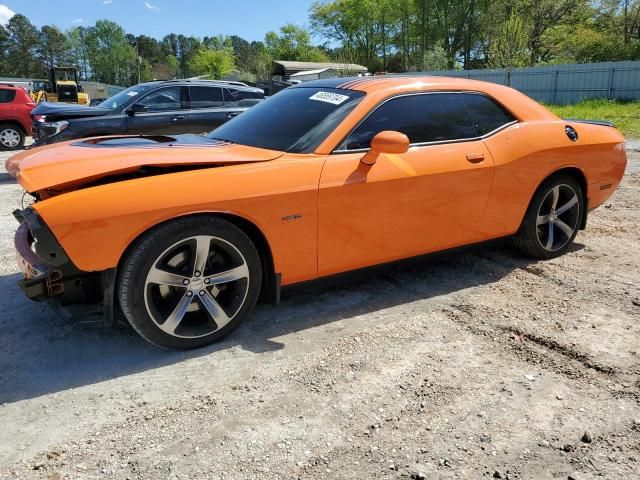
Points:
[(15, 116)]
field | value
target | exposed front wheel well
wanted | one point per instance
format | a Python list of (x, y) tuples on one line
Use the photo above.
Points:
[(271, 280)]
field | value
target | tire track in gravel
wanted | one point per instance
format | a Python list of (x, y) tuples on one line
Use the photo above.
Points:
[(546, 353)]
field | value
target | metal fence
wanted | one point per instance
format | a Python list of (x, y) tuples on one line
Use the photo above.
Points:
[(563, 84)]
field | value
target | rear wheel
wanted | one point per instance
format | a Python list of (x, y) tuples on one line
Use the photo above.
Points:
[(11, 137), (190, 282), (553, 219)]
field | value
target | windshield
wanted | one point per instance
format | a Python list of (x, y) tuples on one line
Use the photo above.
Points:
[(295, 120), (124, 97)]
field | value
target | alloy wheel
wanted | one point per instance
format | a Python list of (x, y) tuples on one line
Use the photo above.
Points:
[(196, 286), (558, 217), (10, 137)]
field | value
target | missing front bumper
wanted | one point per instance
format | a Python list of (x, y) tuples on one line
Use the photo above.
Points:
[(40, 280), (50, 275)]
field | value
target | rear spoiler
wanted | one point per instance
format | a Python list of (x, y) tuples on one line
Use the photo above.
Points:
[(602, 123)]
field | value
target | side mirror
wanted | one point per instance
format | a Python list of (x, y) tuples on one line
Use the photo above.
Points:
[(137, 108), (386, 142)]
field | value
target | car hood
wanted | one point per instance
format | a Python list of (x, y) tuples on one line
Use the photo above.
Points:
[(68, 110), (77, 164)]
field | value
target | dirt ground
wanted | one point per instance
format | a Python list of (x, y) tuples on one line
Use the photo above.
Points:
[(483, 365)]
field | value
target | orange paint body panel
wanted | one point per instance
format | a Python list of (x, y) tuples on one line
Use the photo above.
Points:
[(107, 218), (325, 212), (402, 206)]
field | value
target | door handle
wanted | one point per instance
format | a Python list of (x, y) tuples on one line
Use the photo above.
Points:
[(475, 157), (178, 117)]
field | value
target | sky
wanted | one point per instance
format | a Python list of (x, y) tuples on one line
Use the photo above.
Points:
[(250, 19)]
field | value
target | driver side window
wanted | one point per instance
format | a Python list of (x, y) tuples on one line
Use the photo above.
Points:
[(423, 118), (163, 100)]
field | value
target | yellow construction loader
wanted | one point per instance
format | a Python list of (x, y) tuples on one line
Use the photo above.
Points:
[(62, 86)]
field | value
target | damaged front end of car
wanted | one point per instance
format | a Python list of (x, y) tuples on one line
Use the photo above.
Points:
[(50, 276)]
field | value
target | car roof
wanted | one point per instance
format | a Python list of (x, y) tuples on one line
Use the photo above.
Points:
[(382, 87), (383, 82), (216, 83)]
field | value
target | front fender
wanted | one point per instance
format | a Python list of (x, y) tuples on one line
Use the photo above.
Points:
[(96, 225)]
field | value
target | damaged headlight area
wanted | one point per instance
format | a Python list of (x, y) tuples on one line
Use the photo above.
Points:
[(54, 128)]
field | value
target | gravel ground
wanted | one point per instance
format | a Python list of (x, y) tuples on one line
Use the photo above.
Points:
[(483, 365)]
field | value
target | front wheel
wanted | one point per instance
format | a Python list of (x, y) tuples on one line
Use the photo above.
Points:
[(553, 218), (190, 282)]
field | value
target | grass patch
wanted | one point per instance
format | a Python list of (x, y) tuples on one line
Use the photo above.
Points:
[(625, 115)]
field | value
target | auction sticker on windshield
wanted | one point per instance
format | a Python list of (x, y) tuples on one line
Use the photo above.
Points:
[(329, 97)]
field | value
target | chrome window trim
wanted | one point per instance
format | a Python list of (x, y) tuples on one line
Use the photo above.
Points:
[(426, 144)]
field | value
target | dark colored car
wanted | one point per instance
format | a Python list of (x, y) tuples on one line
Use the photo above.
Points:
[(154, 108), (15, 120)]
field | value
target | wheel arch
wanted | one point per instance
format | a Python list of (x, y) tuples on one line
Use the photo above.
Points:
[(15, 123), (271, 280), (580, 177)]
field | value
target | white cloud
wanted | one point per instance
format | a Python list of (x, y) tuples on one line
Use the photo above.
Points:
[(107, 2), (77, 20), (150, 6), (5, 14)]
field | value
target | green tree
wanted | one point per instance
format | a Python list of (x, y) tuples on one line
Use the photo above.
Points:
[(509, 45), (4, 44), (542, 15), (215, 64), (435, 59), (54, 47), (112, 59), (182, 48), (261, 62), (357, 25), (584, 43), (173, 64), (456, 27), (79, 52), (21, 48), (188, 48), (166, 69), (293, 43)]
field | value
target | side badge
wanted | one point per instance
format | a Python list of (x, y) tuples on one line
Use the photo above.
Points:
[(291, 218)]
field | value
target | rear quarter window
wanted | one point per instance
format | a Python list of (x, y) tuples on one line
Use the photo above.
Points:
[(237, 95), (7, 96), (486, 115)]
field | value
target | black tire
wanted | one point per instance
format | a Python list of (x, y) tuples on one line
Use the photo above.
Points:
[(552, 238), (172, 249), (10, 131)]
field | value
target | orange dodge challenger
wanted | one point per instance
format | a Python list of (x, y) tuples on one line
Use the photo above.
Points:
[(183, 234)]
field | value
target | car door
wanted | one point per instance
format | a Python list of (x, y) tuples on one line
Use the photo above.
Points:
[(431, 198), (207, 110), (160, 112)]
